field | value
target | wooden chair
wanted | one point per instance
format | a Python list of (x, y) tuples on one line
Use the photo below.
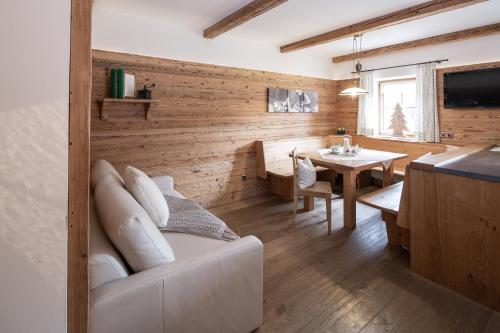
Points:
[(320, 189), (273, 161)]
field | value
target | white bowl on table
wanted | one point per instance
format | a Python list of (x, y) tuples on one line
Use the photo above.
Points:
[(337, 150)]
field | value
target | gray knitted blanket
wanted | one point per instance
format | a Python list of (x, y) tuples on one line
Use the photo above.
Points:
[(188, 217)]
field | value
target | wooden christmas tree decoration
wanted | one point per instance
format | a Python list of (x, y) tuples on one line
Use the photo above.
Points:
[(398, 121)]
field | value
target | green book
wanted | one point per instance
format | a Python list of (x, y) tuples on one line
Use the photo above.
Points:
[(113, 84), (121, 82)]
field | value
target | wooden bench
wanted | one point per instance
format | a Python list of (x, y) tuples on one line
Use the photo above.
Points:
[(413, 149), (393, 203), (273, 161), (377, 176), (397, 172)]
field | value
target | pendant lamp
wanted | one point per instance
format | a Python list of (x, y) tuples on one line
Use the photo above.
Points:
[(355, 90)]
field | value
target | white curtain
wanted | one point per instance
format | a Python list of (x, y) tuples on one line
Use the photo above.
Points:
[(365, 106), (426, 114)]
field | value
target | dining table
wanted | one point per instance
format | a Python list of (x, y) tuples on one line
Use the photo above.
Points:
[(350, 166)]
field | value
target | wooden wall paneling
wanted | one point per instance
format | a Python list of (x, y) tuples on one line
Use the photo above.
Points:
[(347, 107), (467, 125), (206, 121), (79, 166)]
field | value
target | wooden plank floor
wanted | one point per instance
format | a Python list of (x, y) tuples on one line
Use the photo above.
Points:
[(351, 281)]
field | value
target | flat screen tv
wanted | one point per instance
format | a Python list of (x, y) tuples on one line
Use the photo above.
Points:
[(472, 89)]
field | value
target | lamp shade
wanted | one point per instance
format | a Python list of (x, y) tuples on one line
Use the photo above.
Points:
[(354, 91)]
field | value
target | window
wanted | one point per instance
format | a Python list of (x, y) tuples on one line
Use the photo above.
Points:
[(397, 103)]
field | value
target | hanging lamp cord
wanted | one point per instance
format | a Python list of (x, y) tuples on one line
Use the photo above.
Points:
[(354, 52), (359, 50)]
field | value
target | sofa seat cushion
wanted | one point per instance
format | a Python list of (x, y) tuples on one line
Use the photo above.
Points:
[(105, 264), (186, 246), (129, 227)]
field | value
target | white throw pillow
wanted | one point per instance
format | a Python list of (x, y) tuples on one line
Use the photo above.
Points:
[(105, 264), (129, 227), (306, 173), (148, 194), (102, 169)]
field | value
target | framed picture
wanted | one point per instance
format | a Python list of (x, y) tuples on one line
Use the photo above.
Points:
[(290, 100), (278, 100)]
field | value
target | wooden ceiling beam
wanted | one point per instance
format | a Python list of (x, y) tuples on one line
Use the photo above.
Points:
[(401, 16), (439, 39), (242, 15)]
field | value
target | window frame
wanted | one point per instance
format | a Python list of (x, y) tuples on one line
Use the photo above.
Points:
[(380, 110)]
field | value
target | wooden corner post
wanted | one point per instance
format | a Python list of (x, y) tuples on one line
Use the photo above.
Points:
[(80, 83)]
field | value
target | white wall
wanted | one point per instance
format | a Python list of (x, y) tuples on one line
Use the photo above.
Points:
[(484, 49), (34, 67), (173, 30), (114, 30)]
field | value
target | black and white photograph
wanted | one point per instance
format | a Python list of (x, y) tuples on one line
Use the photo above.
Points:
[(278, 100), (292, 100), (302, 101)]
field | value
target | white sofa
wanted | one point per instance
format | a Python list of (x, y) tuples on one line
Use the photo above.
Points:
[(212, 286)]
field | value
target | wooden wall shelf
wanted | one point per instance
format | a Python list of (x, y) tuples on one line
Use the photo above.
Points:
[(107, 102)]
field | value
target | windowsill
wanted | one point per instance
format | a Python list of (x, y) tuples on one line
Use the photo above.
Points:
[(393, 138)]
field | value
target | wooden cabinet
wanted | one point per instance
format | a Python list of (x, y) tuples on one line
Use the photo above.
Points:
[(455, 225)]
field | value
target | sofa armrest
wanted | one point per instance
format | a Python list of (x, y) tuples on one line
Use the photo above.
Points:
[(216, 291), (165, 183)]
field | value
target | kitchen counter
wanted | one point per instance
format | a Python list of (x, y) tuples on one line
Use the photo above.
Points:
[(483, 165)]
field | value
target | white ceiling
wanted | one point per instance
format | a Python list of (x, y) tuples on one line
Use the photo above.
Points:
[(297, 19)]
